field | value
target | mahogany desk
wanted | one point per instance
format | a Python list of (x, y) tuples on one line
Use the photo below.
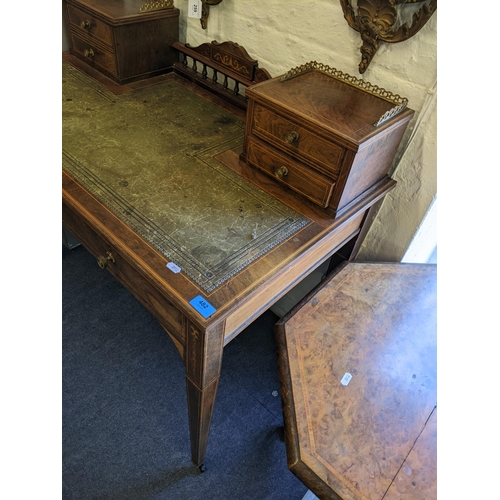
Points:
[(135, 238), (357, 365)]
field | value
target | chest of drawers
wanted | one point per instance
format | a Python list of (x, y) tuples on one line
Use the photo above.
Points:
[(325, 135), (121, 42)]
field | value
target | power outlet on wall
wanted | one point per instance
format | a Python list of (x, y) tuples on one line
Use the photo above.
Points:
[(194, 9)]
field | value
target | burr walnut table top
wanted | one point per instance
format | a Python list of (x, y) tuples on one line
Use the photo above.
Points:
[(358, 377)]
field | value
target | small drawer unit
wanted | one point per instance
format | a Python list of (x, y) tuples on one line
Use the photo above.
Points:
[(323, 134), (124, 40)]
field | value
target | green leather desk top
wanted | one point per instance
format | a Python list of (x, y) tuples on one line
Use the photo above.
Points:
[(149, 156)]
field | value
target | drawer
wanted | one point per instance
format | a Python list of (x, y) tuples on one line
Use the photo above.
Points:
[(86, 23), (93, 54), (301, 179), (126, 273), (296, 140)]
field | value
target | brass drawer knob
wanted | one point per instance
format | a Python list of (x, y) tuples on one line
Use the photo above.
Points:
[(88, 53), (281, 172), (85, 25), (292, 137), (104, 261)]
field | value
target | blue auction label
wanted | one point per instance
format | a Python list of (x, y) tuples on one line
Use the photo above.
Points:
[(202, 306)]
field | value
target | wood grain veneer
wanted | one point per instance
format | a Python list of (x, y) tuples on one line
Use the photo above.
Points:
[(372, 436)]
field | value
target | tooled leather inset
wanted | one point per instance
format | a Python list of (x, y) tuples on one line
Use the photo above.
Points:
[(149, 157)]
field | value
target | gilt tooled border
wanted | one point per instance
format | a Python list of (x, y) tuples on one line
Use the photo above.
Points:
[(208, 278)]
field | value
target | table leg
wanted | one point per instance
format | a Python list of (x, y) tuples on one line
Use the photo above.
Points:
[(350, 250), (203, 359), (365, 225), (200, 408)]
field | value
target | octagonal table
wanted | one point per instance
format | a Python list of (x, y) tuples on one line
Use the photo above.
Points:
[(357, 360)]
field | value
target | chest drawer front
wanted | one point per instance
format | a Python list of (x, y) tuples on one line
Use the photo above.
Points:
[(93, 54), (296, 140), (110, 258), (86, 23), (302, 180)]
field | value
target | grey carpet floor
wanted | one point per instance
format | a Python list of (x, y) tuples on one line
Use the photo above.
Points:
[(125, 430)]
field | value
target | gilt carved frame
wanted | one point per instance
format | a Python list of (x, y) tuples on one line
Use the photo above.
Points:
[(205, 11), (377, 21)]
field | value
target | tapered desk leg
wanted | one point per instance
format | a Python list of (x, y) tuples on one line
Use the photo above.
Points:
[(200, 408), (203, 359)]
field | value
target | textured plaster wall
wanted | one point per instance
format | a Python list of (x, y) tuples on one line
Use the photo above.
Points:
[(284, 34)]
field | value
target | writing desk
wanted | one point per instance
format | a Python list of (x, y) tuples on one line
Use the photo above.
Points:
[(152, 178)]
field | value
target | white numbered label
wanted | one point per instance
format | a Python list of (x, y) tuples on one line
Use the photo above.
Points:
[(194, 9), (174, 267), (346, 378)]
